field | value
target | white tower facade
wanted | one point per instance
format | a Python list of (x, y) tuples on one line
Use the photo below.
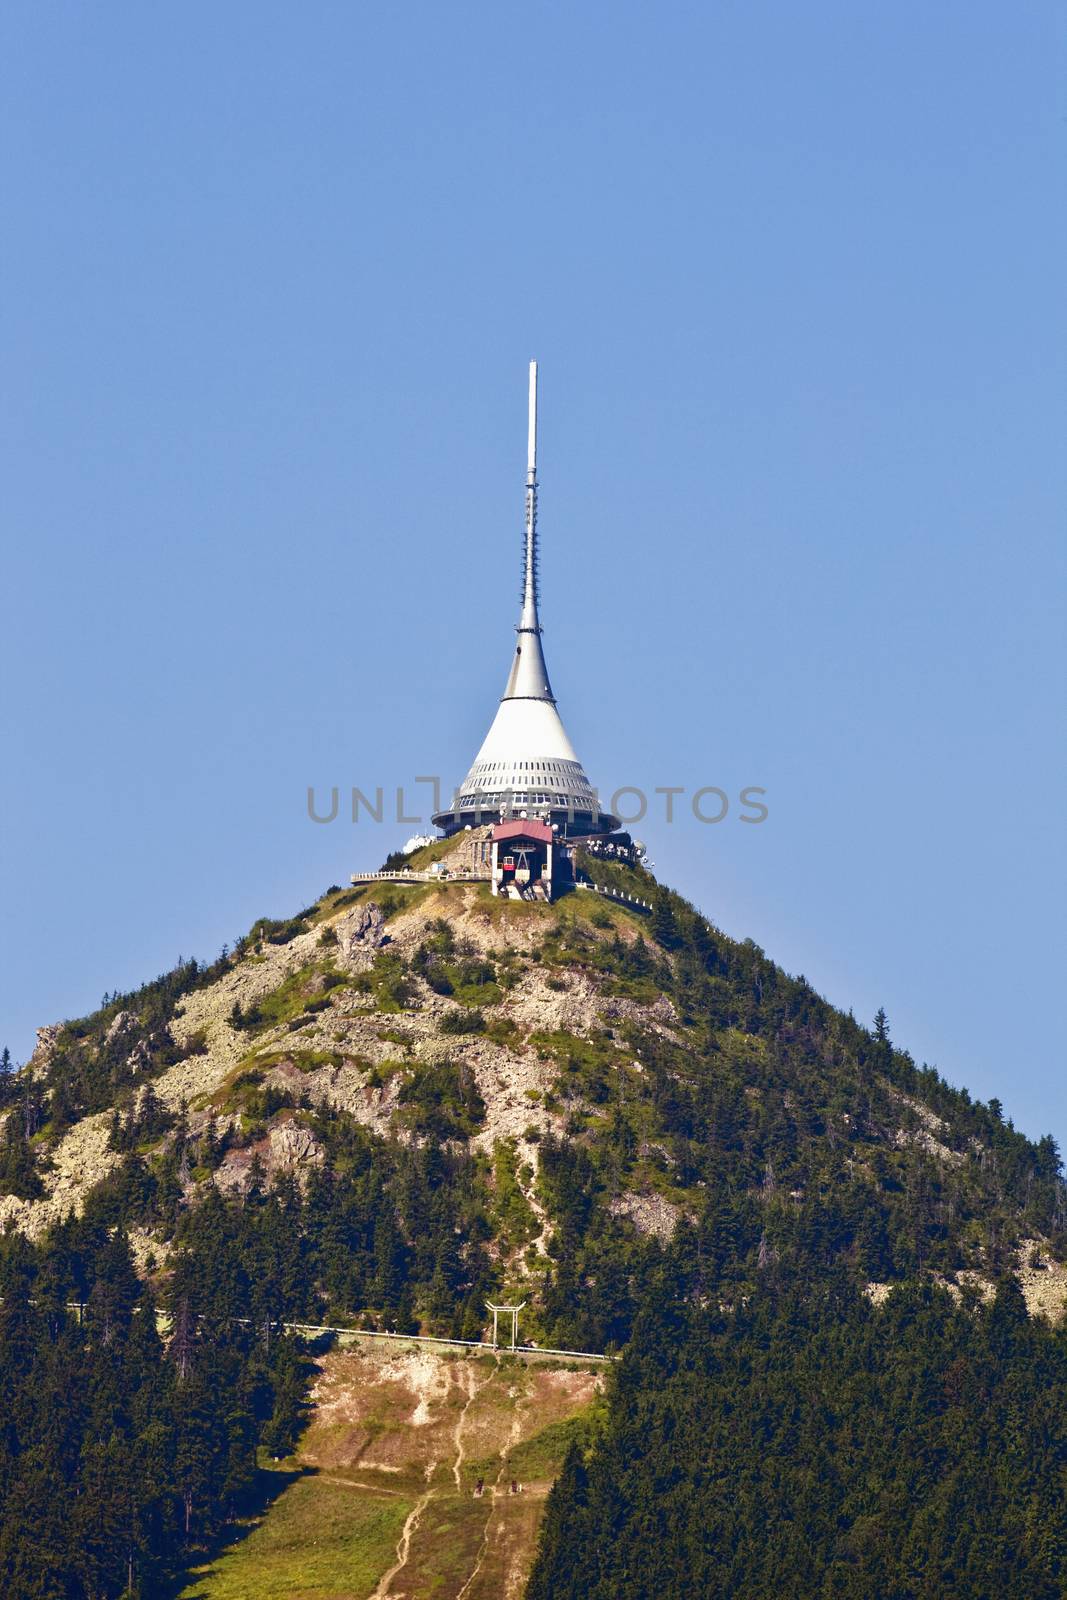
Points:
[(527, 766)]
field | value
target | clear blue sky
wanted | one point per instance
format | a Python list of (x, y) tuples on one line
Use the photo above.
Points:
[(271, 277)]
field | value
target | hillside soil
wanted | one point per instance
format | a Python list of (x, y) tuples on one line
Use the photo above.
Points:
[(380, 1501)]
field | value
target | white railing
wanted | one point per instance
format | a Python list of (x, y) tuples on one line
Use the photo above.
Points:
[(429, 1338), (617, 894), (164, 1322), (420, 876)]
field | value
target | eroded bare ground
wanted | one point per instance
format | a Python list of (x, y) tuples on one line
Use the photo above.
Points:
[(429, 1428), (513, 1079)]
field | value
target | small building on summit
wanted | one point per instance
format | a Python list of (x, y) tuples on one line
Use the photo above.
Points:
[(527, 767), (529, 861)]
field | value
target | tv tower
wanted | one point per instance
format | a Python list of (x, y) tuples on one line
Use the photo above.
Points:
[(527, 766)]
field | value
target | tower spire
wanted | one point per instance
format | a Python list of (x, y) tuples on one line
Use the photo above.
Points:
[(529, 590), (528, 679)]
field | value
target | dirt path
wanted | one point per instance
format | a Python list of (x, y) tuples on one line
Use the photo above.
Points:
[(364, 1488), (473, 1389), (514, 1437), (467, 1381), (403, 1549)]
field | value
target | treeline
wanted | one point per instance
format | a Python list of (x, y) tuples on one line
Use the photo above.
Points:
[(123, 1452), (819, 1139), (96, 1060), (805, 1443)]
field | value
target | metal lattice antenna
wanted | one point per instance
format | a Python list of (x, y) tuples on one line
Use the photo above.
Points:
[(529, 581), (529, 675)]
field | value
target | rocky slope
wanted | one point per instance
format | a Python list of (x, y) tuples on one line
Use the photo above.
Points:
[(655, 1044)]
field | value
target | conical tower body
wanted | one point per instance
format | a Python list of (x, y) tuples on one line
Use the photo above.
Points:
[(527, 766)]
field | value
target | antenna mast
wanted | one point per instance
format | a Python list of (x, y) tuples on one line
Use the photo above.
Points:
[(529, 591)]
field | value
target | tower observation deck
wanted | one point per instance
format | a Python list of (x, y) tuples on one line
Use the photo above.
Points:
[(527, 766)]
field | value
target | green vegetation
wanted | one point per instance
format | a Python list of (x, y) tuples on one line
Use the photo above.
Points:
[(806, 1443), (515, 1220), (459, 1022), (454, 967), (334, 1529), (301, 995), (319, 1540), (441, 1101), (119, 1458), (19, 1174), (268, 931), (541, 1455), (96, 1060), (389, 982), (590, 1067), (144, 1123), (302, 1060)]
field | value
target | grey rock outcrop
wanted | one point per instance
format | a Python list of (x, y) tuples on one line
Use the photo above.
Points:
[(45, 1048), (292, 1146), (123, 1023), (359, 935)]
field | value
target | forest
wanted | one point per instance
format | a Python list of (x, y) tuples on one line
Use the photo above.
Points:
[(801, 1442)]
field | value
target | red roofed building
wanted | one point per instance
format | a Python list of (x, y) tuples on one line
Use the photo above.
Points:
[(528, 860)]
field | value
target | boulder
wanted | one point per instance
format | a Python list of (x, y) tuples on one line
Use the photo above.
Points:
[(140, 1057), (124, 1022), (359, 935), (292, 1146)]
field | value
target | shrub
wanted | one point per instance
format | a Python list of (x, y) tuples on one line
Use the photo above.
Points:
[(463, 1022), (442, 1101)]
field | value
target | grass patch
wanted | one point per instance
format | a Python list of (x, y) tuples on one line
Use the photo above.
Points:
[(458, 1022), (454, 967), (321, 1541), (402, 896), (504, 1031), (646, 991), (439, 850), (478, 994), (539, 1458), (441, 1101), (588, 1066), (406, 1041), (302, 1060), (298, 996), (391, 983), (380, 1074), (335, 900)]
